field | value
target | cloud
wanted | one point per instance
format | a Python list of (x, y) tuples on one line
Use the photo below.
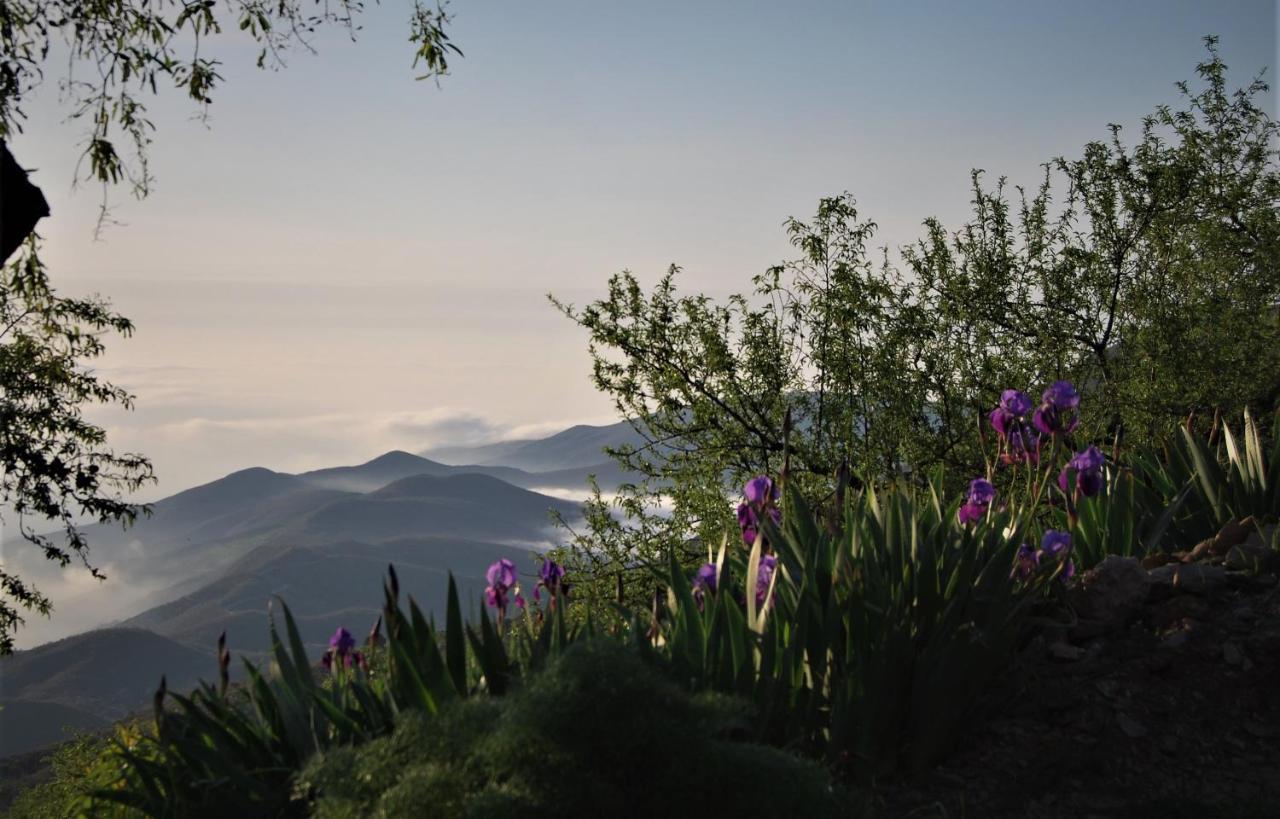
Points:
[(445, 427)]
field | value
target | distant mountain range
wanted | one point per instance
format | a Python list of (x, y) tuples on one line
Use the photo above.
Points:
[(211, 558), (576, 446)]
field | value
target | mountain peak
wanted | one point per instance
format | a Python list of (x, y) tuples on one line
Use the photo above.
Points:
[(397, 457)]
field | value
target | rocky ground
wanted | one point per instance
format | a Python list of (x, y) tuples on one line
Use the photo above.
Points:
[(1162, 700)]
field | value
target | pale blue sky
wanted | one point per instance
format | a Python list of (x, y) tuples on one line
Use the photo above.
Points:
[(347, 261)]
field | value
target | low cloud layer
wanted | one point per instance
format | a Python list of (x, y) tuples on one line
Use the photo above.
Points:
[(194, 450)]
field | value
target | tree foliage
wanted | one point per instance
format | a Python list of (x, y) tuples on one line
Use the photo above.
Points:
[(119, 50), (56, 466), (1147, 274)]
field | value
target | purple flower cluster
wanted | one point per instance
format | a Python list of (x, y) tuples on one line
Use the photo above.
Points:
[(977, 501), (1087, 468), (502, 581), (761, 501), (342, 652), (551, 578), (1055, 546), (704, 582), (1058, 413), (1019, 440)]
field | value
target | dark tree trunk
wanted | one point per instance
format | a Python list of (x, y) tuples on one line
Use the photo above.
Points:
[(21, 204)]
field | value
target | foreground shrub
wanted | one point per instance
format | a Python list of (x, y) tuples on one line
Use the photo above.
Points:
[(81, 766), (597, 732)]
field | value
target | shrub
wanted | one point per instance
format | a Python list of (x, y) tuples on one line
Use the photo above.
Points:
[(596, 732)]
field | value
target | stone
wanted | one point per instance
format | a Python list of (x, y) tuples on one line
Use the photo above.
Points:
[(1131, 727), (1065, 651), (1196, 578), (1176, 609), (1108, 596), (1232, 534), (1254, 552)]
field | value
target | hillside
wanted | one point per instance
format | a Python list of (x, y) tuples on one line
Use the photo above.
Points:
[(325, 586), (467, 506), (87, 680)]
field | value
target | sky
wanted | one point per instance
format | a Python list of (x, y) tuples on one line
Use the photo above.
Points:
[(340, 261)]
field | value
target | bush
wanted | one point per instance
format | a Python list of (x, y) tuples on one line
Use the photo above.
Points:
[(596, 732)]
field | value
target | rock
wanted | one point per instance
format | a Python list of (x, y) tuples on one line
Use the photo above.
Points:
[(1179, 636), (1107, 596), (1196, 578), (1254, 552), (1232, 534), (1131, 727), (1065, 651), (1202, 549), (1232, 654), (1176, 609)]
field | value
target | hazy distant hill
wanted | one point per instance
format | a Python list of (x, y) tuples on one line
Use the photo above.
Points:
[(469, 506), (97, 670), (87, 680), (326, 586), (576, 446), (27, 725), (393, 466), (210, 559)]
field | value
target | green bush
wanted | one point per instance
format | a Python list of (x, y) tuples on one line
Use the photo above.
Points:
[(597, 731)]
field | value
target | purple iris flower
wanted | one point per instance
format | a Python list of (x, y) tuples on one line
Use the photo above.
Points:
[(761, 499), (1028, 561), (1014, 406), (981, 493), (748, 522), (1058, 411), (342, 642), (1087, 465), (1057, 546), (760, 490), (704, 582), (551, 578), (501, 577), (341, 645), (764, 575), (1019, 441), (1024, 446)]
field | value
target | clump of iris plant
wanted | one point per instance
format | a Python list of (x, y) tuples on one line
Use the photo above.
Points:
[(761, 501), (704, 582), (1019, 440), (1058, 411), (977, 501), (342, 653), (1087, 467)]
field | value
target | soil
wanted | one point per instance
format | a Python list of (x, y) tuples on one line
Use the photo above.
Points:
[(1176, 714)]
